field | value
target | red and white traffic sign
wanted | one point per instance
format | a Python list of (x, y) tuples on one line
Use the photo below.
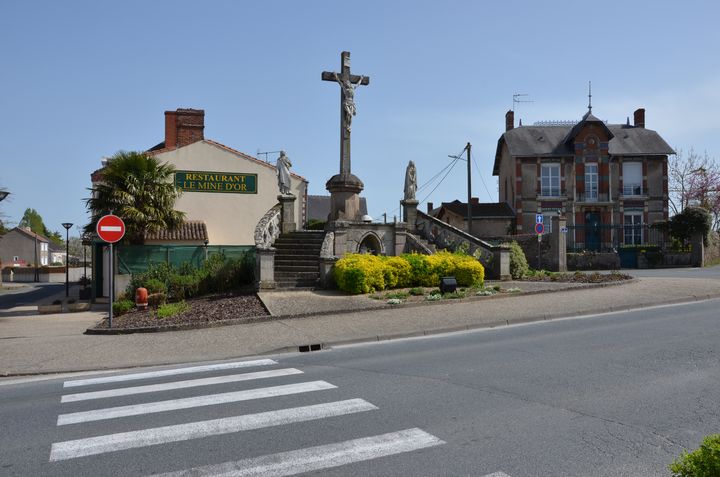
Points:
[(539, 228), (110, 228)]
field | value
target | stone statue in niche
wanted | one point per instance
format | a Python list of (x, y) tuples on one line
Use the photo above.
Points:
[(283, 173), (410, 181)]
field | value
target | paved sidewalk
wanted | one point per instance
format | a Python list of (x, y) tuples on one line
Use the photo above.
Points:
[(55, 343)]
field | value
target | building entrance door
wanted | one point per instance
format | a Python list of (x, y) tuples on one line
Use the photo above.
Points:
[(592, 231)]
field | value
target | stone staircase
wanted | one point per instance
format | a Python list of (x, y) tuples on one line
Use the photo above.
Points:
[(297, 259)]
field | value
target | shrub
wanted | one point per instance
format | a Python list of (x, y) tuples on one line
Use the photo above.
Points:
[(416, 292), (156, 299), (357, 273), (181, 287), (172, 309), (518, 263), (691, 221), (702, 462), (153, 285), (121, 307)]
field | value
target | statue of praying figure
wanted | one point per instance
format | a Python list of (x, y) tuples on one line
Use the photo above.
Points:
[(283, 173), (410, 181), (349, 98)]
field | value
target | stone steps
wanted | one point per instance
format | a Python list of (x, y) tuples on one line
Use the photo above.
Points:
[(297, 260)]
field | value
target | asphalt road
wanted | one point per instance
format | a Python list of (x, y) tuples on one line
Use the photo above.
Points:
[(29, 294), (612, 395)]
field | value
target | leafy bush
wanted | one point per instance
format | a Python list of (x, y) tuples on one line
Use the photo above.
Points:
[(172, 309), (181, 287), (702, 462), (416, 292), (121, 307), (518, 263), (691, 221), (356, 273), (156, 299), (153, 285)]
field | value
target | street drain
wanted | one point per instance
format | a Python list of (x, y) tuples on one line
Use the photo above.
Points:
[(312, 347)]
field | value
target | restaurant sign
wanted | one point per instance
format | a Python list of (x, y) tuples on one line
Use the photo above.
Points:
[(231, 182)]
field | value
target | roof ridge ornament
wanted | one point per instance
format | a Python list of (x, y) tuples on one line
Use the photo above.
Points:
[(590, 97)]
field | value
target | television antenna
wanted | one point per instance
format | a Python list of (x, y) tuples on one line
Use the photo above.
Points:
[(266, 154), (516, 99)]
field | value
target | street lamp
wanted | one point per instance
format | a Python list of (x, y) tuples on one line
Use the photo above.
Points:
[(67, 226)]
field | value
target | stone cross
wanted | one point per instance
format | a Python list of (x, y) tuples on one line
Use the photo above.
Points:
[(348, 82)]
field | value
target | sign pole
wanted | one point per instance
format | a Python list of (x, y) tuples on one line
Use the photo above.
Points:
[(112, 284)]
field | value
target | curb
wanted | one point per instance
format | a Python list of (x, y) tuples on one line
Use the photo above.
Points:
[(269, 317)]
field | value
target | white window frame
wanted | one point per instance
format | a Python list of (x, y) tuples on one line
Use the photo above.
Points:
[(632, 186), (591, 182), (550, 173), (43, 246), (633, 228)]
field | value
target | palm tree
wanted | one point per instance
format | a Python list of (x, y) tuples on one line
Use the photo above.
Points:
[(139, 189)]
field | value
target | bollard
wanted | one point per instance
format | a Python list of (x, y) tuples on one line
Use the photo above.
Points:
[(141, 298)]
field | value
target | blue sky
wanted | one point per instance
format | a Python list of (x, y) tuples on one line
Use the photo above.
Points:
[(80, 80)]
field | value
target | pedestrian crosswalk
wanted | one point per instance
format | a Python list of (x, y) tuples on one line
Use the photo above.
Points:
[(87, 406)]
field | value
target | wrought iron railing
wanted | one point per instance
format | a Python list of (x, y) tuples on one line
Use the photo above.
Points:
[(608, 238)]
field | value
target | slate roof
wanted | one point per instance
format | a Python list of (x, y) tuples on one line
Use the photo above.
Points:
[(318, 207), (496, 210), (552, 141), (191, 230)]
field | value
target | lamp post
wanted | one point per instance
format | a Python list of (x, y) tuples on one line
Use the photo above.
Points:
[(67, 226)]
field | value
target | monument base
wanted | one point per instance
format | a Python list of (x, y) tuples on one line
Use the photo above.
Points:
[(344, 197)]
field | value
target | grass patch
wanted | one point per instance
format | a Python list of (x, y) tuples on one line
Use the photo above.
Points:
[(416, 291), (171, 309)]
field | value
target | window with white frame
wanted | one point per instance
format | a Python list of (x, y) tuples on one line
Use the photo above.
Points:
[(43, 246), (632, 228), (632, 178), (550, 180), (547, 220), (591, 181)]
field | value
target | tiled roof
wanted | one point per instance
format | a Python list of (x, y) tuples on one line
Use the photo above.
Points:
[(192, 230), (250, 158), (481, 210)]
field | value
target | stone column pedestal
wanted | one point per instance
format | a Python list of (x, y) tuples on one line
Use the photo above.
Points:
[(327, 280), (344, 197), (287, 217), (500, 264), (265, 269), (558, 246), (410, 213), (697, 251)]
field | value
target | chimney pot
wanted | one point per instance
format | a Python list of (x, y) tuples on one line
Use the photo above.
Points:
[(639, 117), (509, 120)]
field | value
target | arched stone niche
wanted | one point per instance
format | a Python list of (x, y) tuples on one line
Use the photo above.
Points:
[(372, 244)]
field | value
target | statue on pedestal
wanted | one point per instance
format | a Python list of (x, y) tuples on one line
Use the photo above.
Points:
[(283, 173), (410, 181)]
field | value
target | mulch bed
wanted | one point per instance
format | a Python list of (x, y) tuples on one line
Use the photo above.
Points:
[(579, 277), (239, 308)]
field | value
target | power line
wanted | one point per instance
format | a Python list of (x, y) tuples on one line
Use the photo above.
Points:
[(481, 178), (441, 180)]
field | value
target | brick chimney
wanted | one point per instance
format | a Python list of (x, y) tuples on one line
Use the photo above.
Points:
[(474, 200), (183, 127), (639, 116), (429, 207), (509, 120)]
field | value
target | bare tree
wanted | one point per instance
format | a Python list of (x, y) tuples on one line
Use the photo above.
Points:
[(694, 179)]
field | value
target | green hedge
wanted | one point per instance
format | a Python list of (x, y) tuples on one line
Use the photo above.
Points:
[(702, 462), (357, 273)]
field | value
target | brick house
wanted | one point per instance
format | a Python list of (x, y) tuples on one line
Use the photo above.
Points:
[(610, 181)]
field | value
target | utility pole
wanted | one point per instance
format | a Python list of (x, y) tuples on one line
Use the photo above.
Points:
[(469, 207)]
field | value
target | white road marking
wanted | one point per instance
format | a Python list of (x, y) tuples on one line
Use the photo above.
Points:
[(319, 457), (190, 383), (194, 430), (497, 474), (187, 403), (169, 372), (110, 228)]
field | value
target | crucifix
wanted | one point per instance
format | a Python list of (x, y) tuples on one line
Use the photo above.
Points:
[(348, 83)]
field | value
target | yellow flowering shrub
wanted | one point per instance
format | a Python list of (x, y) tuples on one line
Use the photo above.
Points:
[(359, 273)]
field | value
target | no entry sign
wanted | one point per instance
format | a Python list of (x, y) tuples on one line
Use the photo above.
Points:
[(110, 228)]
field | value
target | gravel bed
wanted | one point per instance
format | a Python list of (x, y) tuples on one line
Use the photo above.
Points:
[(241, 308)]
